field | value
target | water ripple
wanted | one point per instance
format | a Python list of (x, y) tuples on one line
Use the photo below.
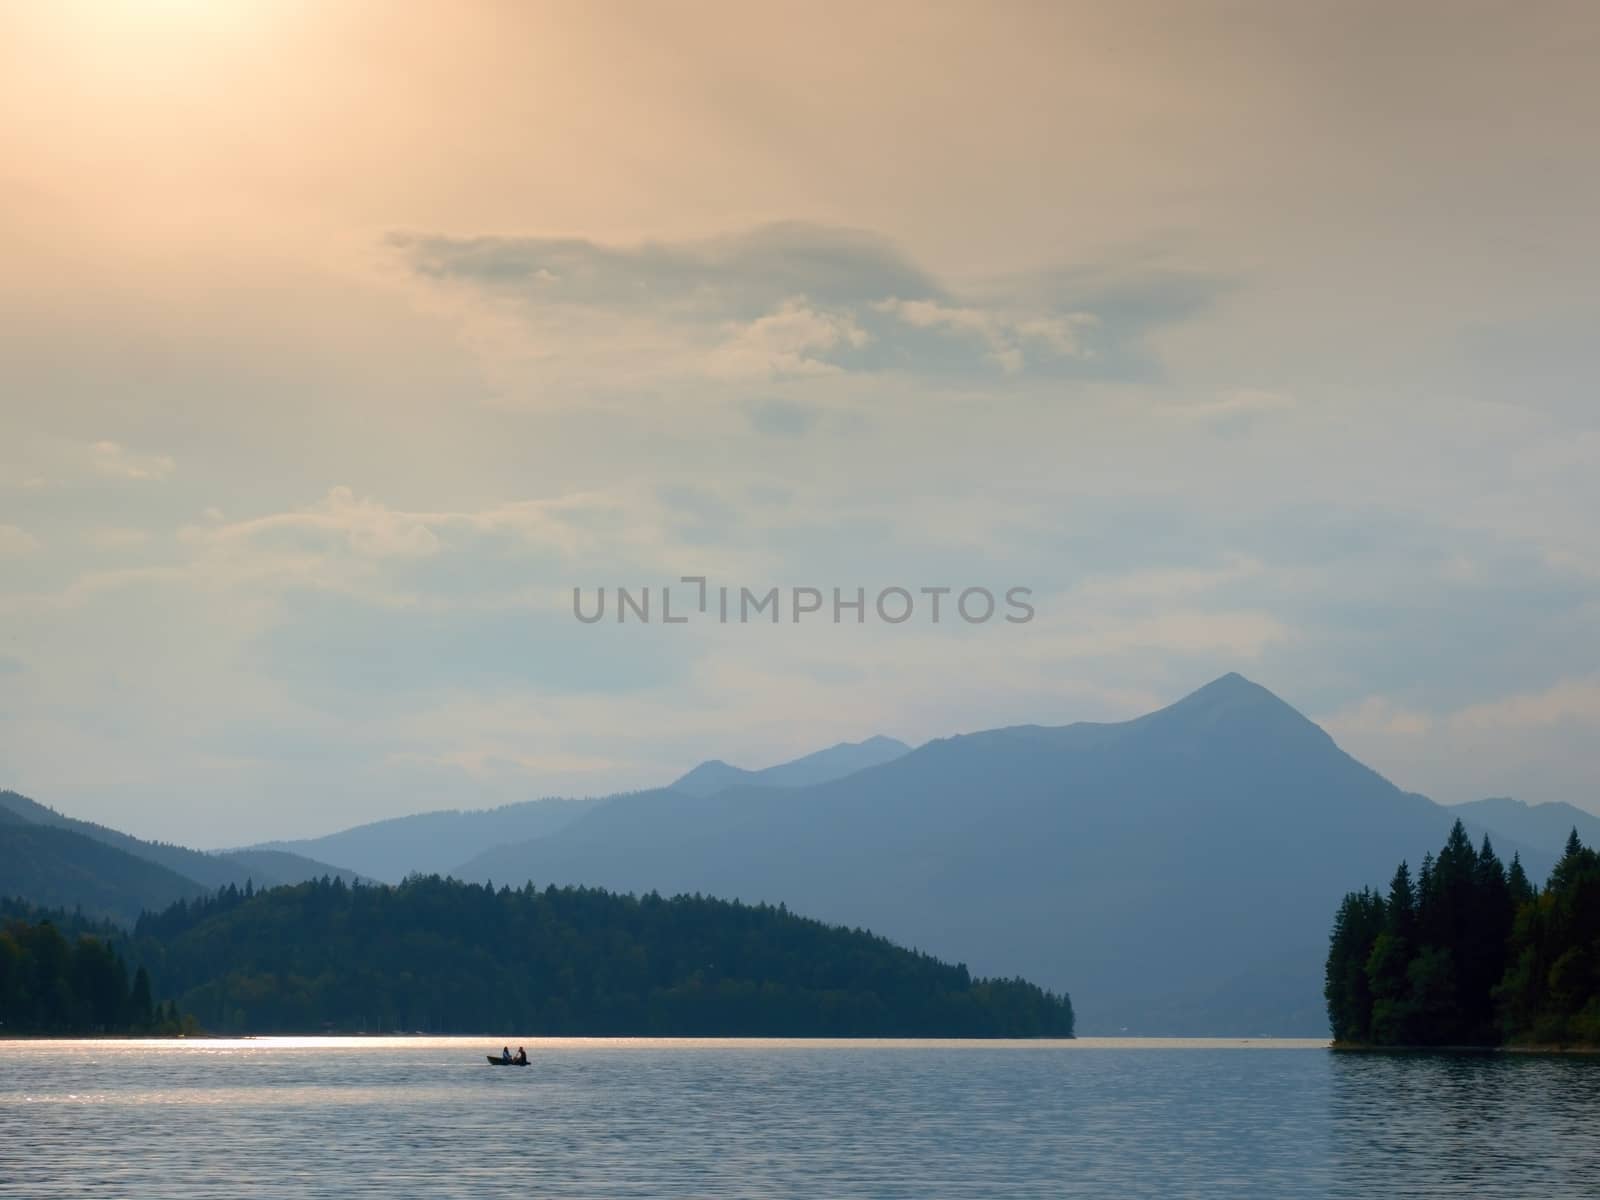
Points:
[(617, 1118)]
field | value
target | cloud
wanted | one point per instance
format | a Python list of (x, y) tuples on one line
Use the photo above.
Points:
[(735, 276), (1007, 338), (116, 462), (1532, 744), (513, 556), (787, 300), (42, 461), (370, 529), (1378, 716), (15, 542), (1574, 701), (793, 340), (364, 527), (1242, 635)]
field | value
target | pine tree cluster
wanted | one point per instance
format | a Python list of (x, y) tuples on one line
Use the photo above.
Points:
[(1471, 953)]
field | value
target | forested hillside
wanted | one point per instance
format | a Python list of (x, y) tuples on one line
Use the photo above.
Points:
[(441, 956)]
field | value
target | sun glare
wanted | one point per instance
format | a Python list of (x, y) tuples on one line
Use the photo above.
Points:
[(135, 30)]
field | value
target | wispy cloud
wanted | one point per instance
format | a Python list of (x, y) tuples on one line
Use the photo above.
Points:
[(118, 462), (38, 461), (735, 276), (796, 339), (1010, 340), (785, 301), (367, 528), (1145, 313)]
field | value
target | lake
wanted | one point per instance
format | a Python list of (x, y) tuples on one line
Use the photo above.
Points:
[(410, 1117)]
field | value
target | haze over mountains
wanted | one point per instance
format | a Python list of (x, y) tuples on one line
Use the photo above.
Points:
[(440, 842), (1545, 826), (58, 861), (833, 763), (1176, 873), (434, 843)]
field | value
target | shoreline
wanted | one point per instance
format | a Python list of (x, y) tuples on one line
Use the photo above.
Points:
[(1514, 1048)]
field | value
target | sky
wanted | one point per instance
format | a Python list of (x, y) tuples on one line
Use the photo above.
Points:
[(340, 342)]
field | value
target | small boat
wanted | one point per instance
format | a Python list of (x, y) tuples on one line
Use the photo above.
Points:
[(496, 1061)]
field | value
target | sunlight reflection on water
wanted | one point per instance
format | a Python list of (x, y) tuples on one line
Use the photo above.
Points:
[(618, 1117)]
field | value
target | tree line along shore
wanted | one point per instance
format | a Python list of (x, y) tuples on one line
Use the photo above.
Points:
[(1470, 953)]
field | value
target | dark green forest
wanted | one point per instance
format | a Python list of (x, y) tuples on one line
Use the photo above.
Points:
[(440, 956), (1470, 953), (64, 975)]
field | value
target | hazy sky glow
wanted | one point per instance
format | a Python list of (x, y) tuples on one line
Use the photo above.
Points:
[(339, 341)]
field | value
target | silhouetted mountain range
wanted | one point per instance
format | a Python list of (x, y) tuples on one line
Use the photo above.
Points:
[(1175, 871), (53, 867), (434, 843), (438, 842), (58, 861)]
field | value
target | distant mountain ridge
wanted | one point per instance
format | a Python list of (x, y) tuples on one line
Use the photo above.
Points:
[(55, 860), (56, 868), (439, 842), (211, 870), (835, 762), (1174, 871), (432, 843), (1545, 826)]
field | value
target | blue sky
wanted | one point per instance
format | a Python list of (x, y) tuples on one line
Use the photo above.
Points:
[(1253, 344)]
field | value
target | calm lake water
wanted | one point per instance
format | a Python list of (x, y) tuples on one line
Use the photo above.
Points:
[(1108, 1118)]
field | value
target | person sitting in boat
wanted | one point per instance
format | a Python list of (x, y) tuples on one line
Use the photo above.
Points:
[(522, 1057), (505, 1054)]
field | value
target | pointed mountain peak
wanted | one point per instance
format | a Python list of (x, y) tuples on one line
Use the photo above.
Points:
[(1230, 689), (1231, 684), (879, 742), (710, 776), (1232, 701)]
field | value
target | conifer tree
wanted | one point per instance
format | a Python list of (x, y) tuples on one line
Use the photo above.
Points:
[(1401, 913), (1517, 883), (140, 1011), (1356, 926), (1388, 961)]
